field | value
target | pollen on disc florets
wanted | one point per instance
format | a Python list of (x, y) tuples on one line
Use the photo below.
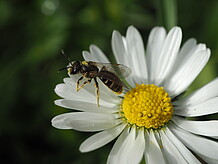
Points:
[(147, 106)]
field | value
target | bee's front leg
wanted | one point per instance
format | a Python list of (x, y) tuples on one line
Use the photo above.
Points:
[(97, 91), (77, 83), (85, 82)]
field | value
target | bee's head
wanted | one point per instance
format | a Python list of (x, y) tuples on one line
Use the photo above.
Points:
[(74, 68)]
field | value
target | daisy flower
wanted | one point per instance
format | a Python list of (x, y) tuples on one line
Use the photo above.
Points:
[(152, 121)]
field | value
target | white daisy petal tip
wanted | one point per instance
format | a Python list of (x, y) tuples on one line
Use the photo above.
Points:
[(156, 28), (55, 89), (57, 102), (92, 47), (97, 54), (116, 38), (86, 55), (131, 28), (58, 122), (83, 150), (208, 52), (59, 89), (115, 33), (132, 31), (176, 29), (156, 33)]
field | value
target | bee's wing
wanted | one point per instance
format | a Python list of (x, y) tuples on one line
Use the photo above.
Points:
[(120, 70)]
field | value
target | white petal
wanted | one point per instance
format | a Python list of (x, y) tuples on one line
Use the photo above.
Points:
[(132, 149), (99, 55), (154, 47), (88, 56), (118, 48), (135, 49), (112, 158), (85, 121), (198, 144), (67, 90), (207, 92), (168, 54), (59, 122), (187, 47), (95, 55), (137, 151), (86, 106), (121, 55), (206, 128), (153, 153), (188, 50), (73, 79), (63, 91), (190, 158), (205, 108), (124, 151), (171, 152), (100, 139), (208, 160), (88, 92), (185, 54), (70, 93), (184, 76)]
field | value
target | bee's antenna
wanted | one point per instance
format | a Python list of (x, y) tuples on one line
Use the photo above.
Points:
[(63, 69), (68, 58)]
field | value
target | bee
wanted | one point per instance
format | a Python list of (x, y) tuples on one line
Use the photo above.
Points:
[(109, 74)]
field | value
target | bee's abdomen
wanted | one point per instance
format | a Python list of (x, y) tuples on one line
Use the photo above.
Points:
[(113, 86)]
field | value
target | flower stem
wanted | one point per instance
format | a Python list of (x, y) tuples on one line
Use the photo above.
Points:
[(168, 13)]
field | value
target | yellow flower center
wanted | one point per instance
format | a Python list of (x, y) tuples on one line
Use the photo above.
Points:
[(147, 106)]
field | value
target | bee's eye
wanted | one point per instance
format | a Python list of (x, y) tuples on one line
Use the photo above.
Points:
[(74, 69)]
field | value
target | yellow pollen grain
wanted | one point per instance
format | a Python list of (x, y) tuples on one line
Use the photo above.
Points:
[(147, 106)]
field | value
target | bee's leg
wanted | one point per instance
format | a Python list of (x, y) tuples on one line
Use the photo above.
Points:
[(85, 82), (77, 83), (97, 91)]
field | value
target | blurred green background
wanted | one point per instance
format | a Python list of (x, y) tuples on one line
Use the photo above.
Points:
[(32, 35)]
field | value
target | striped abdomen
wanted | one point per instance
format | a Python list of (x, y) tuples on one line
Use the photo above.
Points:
[(111, 81)]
